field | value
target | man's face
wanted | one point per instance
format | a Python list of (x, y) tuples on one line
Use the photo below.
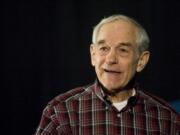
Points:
[(115, 54)]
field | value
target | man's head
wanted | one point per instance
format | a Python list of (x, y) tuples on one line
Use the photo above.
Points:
[(119, 50)]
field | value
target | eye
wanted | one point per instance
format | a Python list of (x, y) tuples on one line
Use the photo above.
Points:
[(123, 50), (103, 48)]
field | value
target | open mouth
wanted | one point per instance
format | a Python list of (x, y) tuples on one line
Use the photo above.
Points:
[(112, 71)]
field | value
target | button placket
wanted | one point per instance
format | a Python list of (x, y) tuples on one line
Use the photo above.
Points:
[(106, 108), (118, 115)]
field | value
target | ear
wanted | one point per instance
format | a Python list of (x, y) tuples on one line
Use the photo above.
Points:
[(142, 61), (92, 52)]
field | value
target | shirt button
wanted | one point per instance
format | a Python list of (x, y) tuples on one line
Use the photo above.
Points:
[(106, 108), (129, 110), (118, 115)]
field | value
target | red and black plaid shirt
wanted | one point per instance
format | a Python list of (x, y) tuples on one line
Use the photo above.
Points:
[(85, 111)]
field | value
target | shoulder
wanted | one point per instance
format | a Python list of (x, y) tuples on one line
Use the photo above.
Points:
[(156, 102), (72, 95), (68, 101)]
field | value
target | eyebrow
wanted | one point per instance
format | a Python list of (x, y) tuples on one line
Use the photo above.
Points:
[(101, 41), (128, 44), (125, 44)]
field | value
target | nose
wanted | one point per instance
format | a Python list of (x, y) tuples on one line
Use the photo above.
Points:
[(111, 57)]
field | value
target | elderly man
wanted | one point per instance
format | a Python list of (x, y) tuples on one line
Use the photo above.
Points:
[(112, 105)]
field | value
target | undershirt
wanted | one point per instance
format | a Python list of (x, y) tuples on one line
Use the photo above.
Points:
[(120, 105)]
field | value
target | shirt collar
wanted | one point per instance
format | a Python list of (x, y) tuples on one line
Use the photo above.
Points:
[(103, 96)]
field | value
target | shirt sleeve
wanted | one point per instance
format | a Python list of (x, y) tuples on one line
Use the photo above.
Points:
[(48, 123), (177, 122)]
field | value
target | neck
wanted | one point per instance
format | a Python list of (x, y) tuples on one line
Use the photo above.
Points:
[(121, 96)]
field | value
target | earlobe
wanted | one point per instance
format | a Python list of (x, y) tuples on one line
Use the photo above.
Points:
[(143, 60)]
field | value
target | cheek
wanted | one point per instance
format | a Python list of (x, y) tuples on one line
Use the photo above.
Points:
[(99, 60), (133, 69), (130, 68)]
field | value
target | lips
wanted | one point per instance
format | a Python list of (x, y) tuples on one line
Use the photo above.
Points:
[(112, 71)]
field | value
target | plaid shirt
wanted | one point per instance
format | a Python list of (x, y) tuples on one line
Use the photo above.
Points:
[(85, 111)]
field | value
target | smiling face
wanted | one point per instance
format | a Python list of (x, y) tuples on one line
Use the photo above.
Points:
[(115, 55)]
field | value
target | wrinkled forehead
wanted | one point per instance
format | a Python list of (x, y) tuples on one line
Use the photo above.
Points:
[(118, 31)]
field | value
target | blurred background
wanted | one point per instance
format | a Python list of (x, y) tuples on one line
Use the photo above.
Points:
[(46, 52)]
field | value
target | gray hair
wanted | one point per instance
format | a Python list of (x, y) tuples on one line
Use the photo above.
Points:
[(142, 37)]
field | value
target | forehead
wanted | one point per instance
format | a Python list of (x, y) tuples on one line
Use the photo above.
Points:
[(118, 31)]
